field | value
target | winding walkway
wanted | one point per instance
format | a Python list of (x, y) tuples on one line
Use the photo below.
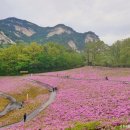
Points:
[(68, 77), (53, 95), (44, 105), (39, 109), (11, 106)]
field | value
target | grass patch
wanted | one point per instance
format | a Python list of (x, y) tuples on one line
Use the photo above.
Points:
[(32, 92), (29, 106), (119, 73), (85, 126), (120, 127), (3, 103), (96, 125)]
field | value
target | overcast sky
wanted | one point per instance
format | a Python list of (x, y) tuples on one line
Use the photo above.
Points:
[(109, 19)]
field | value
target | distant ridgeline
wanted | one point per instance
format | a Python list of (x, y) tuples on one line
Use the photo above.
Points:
[(13, 30)]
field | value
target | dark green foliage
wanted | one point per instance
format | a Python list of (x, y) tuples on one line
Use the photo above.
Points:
[(120, 53), (117, 55), (85, 126), (96, 53), (37, 58)]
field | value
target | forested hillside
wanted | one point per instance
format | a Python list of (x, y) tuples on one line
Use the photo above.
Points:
[(99, 53), (51, 57), (37, 58)]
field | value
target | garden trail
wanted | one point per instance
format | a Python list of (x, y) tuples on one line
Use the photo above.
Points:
[(44, 105), (39, 109), (53, 95), (68, 77), (11, 106)]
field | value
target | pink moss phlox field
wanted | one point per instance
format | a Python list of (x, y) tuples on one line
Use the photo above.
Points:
[(127, 78), (12, 84), (83, 101), (53, 81), (88, 101), (88, 73)]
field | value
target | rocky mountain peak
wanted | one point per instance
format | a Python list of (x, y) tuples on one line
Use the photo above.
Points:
[(59, 29), (18, 30), (4, 39), (90, 37)]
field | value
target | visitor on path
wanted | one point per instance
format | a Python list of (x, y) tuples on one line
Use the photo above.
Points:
[(22, 103), (106, 78), (24, 117), (56, 89)]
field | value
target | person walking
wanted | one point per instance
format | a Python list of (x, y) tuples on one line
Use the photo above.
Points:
[(24, 117), (106, 78)]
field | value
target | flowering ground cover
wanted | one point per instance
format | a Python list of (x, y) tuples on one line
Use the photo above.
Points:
[(12, 84), (36, 96), (3, 103), (94, 73), (83, 101)]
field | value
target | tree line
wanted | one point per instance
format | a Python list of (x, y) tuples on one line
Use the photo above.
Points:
[(116, 55), (37, 58)]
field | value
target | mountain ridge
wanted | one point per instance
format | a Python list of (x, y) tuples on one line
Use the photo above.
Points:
[(18, 30)]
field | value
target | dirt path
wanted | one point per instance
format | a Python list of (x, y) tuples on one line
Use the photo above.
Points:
[(11, 106), (42, 107), (68, 77), (39, 109)]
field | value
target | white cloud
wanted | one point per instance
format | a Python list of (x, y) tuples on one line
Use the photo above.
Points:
[(112, 38), (107, 18)]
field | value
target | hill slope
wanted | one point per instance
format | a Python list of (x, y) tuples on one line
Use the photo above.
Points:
[(19, 30)]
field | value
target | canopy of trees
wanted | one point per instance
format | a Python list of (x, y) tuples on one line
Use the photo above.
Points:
[(52, 57), (37, 58), (98, 53)]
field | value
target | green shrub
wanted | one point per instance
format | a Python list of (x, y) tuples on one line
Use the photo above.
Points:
[(85, 126)]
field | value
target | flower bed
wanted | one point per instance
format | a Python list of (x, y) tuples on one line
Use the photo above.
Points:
[(83, 101)]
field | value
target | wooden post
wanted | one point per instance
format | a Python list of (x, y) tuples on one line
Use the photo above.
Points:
[(27, 97)]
